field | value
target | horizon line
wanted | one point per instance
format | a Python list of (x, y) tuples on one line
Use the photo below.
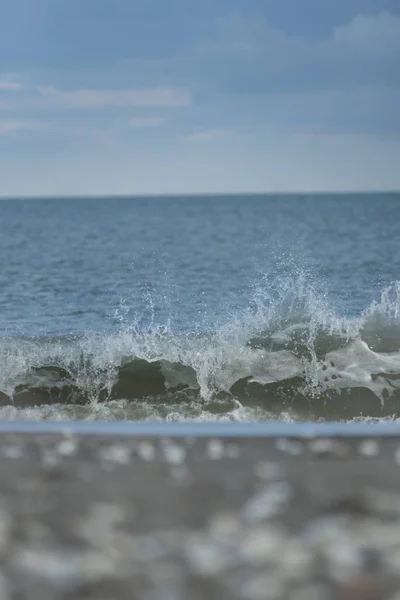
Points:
[(195, 194)]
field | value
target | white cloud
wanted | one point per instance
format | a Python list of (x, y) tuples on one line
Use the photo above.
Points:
[(10, 86), (248, 55), (207, 135), (374, 110), (143, 122), (14, 125), (50, 98), (371, 35), (243, 37)]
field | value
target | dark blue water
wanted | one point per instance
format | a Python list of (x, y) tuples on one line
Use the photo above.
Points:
[(212, 307)]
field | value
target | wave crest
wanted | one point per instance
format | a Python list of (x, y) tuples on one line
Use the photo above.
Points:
[(287, 352)]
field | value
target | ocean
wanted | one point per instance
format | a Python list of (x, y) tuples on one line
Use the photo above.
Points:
[(255, 309)]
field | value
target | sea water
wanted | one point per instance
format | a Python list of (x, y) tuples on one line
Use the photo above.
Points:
[(267, 309)]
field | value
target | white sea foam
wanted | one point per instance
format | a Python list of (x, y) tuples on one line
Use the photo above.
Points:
[(288, 355)]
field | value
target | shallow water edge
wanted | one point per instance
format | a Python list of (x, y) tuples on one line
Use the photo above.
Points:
[(201, 430)]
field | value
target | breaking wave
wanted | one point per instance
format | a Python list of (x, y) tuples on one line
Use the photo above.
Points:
[(288, 355)]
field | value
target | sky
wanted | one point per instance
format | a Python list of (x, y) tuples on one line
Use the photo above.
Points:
[(199, 96)]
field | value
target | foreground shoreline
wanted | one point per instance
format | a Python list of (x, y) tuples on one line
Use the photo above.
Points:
[(162, 511)]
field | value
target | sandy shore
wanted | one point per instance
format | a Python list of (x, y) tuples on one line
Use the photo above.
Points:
[(154, 518)]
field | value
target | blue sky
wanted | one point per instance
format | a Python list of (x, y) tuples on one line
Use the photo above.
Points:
[(184, 96)]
